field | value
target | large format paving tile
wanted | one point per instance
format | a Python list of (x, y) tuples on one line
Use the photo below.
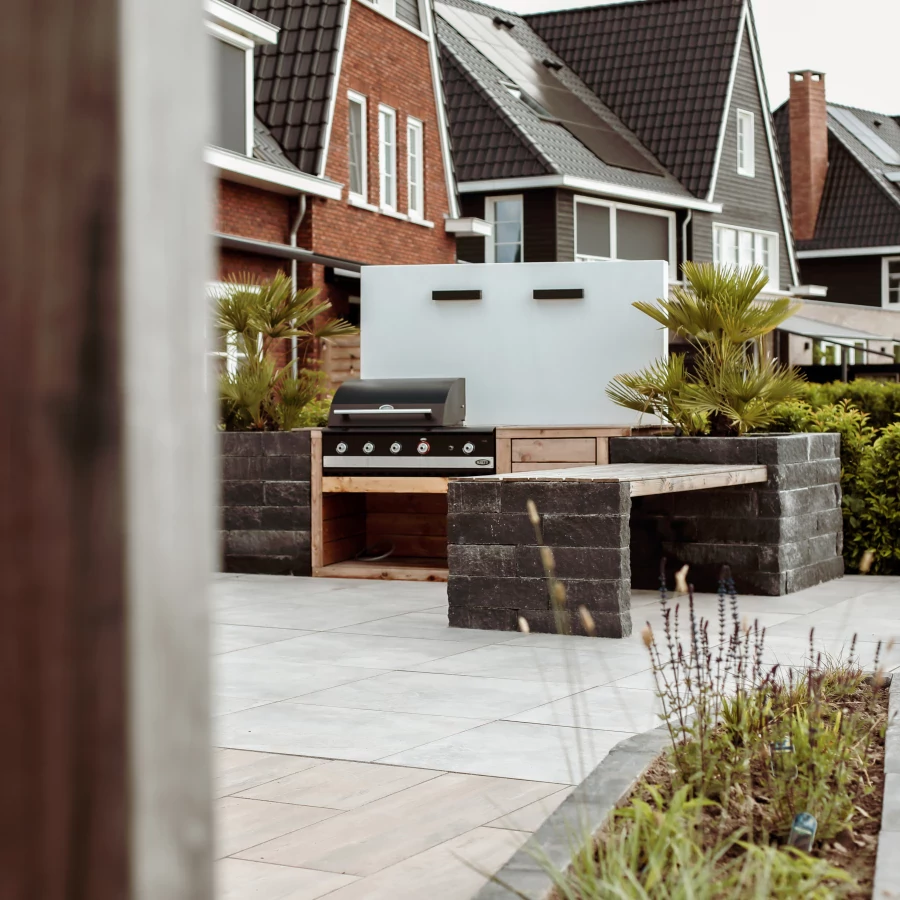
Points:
[(240, 682), (239, 770), (608, 708), (441, 695), (362, 650), (582, 668), (530, 818), (242, 879), (241, 824), (226, 638), (424, 625), (516, 750), (341, 785), (366, 840), (455, 870), (289, 727)]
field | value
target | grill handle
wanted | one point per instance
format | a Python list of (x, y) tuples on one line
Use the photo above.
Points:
[(383, 412)]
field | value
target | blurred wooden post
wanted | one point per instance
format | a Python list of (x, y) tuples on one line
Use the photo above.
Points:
[(106, 470)]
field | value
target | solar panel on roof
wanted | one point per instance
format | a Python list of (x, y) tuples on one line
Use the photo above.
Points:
[(884, 151), (542, 84)]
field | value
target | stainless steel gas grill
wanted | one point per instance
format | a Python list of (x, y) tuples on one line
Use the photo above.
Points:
[(404, 427)]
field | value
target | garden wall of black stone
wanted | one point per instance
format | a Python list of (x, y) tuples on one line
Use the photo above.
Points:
[(496, 574), (265, 515), (778, 537)]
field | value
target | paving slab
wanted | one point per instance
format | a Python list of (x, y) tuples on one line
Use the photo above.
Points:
[(242, 879)]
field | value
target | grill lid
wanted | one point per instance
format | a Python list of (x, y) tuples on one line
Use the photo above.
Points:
[(416, 402)]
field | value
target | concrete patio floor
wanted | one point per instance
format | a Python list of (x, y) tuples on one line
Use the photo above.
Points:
[(366, 751)]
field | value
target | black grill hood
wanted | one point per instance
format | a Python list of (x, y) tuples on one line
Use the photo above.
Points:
[(398, 402)]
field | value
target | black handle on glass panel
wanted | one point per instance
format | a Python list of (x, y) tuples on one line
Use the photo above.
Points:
[(559, 294)]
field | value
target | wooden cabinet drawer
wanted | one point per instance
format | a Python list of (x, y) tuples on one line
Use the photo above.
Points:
[(555, 450)]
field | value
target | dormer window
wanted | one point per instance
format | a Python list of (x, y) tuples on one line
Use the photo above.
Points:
[(233, 65)]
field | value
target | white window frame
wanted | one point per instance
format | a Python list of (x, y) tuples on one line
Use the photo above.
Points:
[(613, 233), (245, 44), (231, 354), (885, 282), (387, 203), (746, 143), (387, 7), (354, 97), (490, 215), (415, 169), (774, 263)]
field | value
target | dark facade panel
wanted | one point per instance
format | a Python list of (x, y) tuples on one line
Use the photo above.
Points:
[(540, 226), (749, 202), (565, 226), (850, 279), (408, 13), (471, 249)]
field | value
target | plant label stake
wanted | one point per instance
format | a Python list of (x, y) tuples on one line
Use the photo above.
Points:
[(803, 831), (781, 756)]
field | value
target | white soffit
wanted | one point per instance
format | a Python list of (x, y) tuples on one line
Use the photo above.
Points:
[(234, 19)]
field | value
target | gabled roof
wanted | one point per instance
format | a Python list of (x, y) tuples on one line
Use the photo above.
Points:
[(497, 134), (860, 204), (294, 78), (663, 67)]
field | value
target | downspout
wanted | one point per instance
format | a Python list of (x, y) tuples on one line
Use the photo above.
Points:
[(295, 229), (684, 233)]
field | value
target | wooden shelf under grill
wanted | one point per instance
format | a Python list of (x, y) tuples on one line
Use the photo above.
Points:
[(391, 569)]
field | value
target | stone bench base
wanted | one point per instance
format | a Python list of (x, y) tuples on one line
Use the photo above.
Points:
[(778, 537)]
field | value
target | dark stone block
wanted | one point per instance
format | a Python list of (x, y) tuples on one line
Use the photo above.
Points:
[(576, 562), (240, 468), (786, 503), (824, 497), (242, 493), (585, 531), (285, 443), (781, 557), (839, 542), (780, 449), (241, 443), (242, 518), (266, 543), (496, 593), (262, 565), (287, 493), (301, 468), (275, 468), (566, 497), (474, 496), (824, 446), (732, 451), (491, 619), (493, 560), (822, 547), (489, 528), (606, 624), (830, 521), (724, 503), (738, 556), (817, 573), (286, 518), (598, 595), (799, 475), (656, 504)]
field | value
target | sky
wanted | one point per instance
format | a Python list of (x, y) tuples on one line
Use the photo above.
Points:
[(854, 42)]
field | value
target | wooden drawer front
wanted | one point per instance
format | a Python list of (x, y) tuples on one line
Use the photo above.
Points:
[(534, 466), (555, 450)]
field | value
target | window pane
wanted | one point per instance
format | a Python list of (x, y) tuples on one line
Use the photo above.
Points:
[(414, 168), (357, 153), (639, 236), (507, 253), (726, 247), (508, 211), (745, 248), (388, 159), (592, 230), (507, 232), (231, 97)]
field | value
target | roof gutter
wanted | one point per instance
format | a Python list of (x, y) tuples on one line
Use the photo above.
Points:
[(283, 251), (588, 186)]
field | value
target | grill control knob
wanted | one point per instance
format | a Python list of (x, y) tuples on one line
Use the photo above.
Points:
[(368, 447), (423, 447), (395, 447), (468, 447), (341, 447)]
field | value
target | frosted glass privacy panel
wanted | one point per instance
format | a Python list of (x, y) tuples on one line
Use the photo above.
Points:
[(526, 361)]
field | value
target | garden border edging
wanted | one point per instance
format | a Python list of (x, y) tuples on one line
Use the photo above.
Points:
[(585, 810), (887, 863)]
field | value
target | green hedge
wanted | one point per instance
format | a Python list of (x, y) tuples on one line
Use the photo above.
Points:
[(870, 466), (880, 400)]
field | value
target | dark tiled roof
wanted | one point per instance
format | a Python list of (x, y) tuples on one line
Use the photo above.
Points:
[(528, 139), (662, 66), (294, 78), (860, 207), (485, 144)]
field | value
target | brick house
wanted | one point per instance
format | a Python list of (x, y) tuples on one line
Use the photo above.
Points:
[(331, 146)]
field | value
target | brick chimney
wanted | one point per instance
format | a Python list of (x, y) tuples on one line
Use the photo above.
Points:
[(809, 150)]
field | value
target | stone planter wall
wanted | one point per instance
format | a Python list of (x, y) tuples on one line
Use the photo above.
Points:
[(265, 514), (495, 567), (778, 538)]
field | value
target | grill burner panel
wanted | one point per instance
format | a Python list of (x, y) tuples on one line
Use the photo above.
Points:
[(444, 451)]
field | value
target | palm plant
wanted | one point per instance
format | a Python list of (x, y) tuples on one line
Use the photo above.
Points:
[(732, 385), (261, 318)]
